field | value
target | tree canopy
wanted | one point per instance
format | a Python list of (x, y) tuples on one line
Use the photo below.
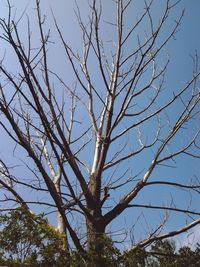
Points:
[(29, 240)]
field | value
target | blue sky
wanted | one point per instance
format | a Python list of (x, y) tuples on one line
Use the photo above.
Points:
[(187, 41)]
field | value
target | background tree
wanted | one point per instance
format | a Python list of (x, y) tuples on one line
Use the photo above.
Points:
[(165, 253), (85, 137), (28, 240)]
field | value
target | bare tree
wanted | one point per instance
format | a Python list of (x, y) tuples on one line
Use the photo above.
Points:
[(93, 145)]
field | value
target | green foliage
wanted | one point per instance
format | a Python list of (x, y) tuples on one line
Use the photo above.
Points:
[(163, 253), (106, 255), (28, 240), (135, 258), (188, 257)]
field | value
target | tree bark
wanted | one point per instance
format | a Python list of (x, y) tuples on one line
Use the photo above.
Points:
[(95, 229), (61, 228), (96, 243)]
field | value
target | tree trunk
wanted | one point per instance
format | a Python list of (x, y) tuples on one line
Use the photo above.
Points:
[(61, 228), (96, 244), (60, 224)]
